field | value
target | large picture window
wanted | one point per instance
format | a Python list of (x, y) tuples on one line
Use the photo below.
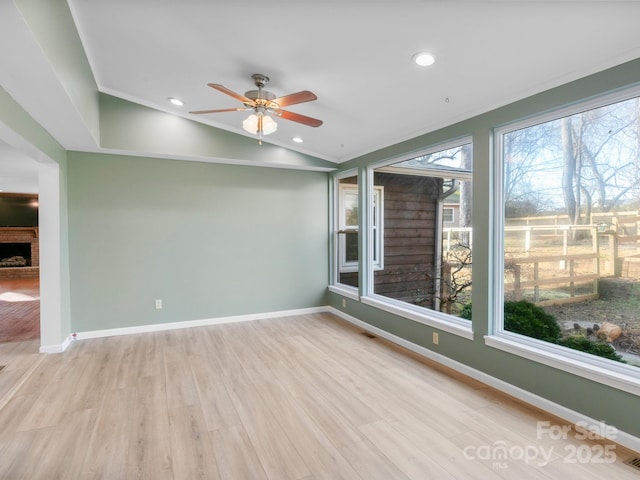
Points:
[(426, 264), (571, 233)]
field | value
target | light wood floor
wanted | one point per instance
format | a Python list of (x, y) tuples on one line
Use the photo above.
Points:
[(304, 398)]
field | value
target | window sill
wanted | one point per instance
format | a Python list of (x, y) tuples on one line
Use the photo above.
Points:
[(611, 373), (441, 321), (345, 291)]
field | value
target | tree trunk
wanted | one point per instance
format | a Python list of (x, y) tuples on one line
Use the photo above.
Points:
[(465, 196), (568, 169)]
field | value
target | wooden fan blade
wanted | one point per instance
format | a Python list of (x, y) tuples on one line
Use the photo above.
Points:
[(231, 93), (296, 117), (240, 109), (294, 98)]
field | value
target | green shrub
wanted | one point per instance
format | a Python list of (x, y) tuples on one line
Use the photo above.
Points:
[(599, 348), (525, 318), (465, 311)]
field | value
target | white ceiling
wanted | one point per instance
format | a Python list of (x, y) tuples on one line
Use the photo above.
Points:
[(355, 55)]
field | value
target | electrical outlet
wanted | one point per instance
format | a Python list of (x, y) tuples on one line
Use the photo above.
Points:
[(158, 304), (344, 303), (436, 338)]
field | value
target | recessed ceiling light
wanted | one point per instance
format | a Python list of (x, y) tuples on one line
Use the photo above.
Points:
[(424, 59), (297, 139), (176, 101)]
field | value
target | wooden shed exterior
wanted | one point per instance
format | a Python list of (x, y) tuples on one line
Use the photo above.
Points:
[(410, 246)]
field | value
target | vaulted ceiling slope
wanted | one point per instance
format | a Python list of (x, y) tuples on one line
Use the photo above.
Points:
[(68, 63)]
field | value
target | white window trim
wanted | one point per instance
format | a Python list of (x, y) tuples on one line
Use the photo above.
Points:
[(608, 372), (432, 318), (345, 290), (378, 232), (335, 285), (345, 266)]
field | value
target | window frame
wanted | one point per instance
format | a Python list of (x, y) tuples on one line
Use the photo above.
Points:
[(426, 316), (345, 266), (615, 374), (453, 215), (335, 286)]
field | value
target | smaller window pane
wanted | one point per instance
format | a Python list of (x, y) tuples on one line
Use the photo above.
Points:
[(346, 231), (447, 215)]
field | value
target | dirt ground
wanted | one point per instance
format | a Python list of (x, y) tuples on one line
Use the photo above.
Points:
[(622, 312)]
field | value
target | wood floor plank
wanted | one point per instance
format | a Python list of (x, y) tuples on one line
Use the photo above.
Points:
[(191, 447), (278, 455), (51, 405), (319, 454), (68, 443), (328, 416), (17, 463), (369, 462), (332, 379), (235, 455), (181, 388), (108, 444), (413, 462), (217, 408), (149, 438)]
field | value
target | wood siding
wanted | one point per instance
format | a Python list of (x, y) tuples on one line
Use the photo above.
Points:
[(410, 213)]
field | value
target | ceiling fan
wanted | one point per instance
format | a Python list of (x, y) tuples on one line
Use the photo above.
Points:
[(263, 103)]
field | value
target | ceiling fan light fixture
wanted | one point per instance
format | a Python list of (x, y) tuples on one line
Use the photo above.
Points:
[(252, 124), (424, 59), (268, 125)]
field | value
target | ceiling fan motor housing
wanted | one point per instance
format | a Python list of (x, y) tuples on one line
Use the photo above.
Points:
[(259, 95), (260, 81)]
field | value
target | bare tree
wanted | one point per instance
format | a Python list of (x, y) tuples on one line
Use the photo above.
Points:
[(523, 167), (600, 158), (455, 278), (581, 163)]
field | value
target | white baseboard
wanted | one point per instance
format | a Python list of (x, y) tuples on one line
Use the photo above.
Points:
[(59, 348), (627, 440), (159, 327)]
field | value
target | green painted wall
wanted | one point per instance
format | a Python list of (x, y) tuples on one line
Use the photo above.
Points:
[(598, 401), (209, 240), (126, 126)]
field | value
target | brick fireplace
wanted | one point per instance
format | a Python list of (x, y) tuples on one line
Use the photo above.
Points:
[(21, 241)]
